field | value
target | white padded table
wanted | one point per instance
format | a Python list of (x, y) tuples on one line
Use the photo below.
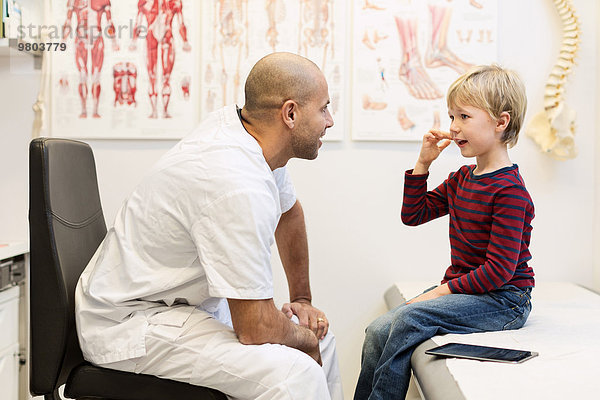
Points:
[(563, 328)]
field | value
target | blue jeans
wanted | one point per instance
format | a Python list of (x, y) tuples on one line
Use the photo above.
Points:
[(391, 339)]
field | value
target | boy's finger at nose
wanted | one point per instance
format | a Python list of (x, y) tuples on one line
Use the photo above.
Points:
[(445, 144), (440, 134)]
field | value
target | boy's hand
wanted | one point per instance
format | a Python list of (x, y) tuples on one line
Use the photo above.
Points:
[(439, 291), (434, 142)]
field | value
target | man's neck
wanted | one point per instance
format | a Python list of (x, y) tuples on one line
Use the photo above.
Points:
[(272, 148)]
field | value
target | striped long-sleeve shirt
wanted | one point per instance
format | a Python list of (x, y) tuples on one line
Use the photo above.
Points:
[(490, 226)]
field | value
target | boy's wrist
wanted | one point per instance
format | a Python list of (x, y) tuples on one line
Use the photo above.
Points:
[(444, 289), (421, 168)]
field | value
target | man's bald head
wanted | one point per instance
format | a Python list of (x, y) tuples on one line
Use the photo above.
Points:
[(277, 78)]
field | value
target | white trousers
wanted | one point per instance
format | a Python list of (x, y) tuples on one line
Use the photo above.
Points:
[(207, 353)]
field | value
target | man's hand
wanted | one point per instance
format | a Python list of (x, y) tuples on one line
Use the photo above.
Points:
[(434, 142), (257, 322), (439, 291), (308, 316)]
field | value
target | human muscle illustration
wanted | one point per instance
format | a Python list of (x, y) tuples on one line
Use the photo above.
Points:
[(185, 87), (316, 28), (124, 83), (89, 39), (159, 16), (554, 128)]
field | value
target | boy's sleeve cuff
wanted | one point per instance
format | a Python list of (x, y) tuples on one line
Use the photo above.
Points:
[(452, 287), (409, 175)]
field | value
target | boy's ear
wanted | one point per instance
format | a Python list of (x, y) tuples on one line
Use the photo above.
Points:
[(502, 121)]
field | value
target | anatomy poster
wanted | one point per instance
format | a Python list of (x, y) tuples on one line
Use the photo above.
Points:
[(405, 56), (129, 69), (237, 33)]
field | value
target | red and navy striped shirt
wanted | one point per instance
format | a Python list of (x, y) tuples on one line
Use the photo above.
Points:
[(490, 226)]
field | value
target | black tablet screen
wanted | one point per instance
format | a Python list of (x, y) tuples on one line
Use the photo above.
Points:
[(481, 352)]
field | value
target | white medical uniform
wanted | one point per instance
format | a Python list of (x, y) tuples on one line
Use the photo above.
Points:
[(197, 230)]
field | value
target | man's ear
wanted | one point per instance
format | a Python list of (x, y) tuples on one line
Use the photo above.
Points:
[(289, 113), (502, 121)]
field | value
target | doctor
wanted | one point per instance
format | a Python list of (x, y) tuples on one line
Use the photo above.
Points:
[(182, 288)]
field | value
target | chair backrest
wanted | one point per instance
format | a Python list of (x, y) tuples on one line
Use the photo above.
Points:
[(66, 227)]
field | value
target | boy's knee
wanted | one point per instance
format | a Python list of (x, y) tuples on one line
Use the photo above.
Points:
[(378, 328)]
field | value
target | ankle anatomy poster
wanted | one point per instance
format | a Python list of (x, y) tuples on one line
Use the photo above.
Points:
[(405, 56)]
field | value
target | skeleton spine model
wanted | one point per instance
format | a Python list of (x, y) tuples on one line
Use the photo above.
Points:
[(554, 128)]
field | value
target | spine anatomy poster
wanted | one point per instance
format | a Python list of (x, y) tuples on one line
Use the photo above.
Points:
[(129, 69), (405, 56), (237, 33)]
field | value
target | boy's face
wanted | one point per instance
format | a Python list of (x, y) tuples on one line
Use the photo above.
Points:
[(474, 131)]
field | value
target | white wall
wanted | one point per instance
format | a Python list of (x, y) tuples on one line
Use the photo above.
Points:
[(19, 84), (352, 193), (596, 281)]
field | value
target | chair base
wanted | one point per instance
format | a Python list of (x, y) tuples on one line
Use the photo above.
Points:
[(87, 381)]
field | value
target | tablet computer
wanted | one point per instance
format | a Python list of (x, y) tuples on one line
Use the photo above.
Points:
[(482, 353)]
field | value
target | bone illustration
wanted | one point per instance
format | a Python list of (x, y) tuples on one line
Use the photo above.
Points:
[(554, 128), (316, 28), (403, 119), (369, 104), (231, 42), (276, 13)]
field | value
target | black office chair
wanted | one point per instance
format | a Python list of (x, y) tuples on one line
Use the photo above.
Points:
[(66, 227)]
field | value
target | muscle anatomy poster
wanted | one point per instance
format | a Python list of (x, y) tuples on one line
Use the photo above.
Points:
[(405, 56), (129, 69), (237, 33)]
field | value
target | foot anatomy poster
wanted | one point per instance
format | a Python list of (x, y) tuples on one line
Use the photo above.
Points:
[(237, 33), (130, 68), (405, 56)]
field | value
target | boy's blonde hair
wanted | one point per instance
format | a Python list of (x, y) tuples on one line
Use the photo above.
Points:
[(495, 90)]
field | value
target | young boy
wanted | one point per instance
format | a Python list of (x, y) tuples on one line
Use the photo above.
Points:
[(488, 285)]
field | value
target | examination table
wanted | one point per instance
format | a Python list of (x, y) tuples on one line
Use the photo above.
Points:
[(563, 328)]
